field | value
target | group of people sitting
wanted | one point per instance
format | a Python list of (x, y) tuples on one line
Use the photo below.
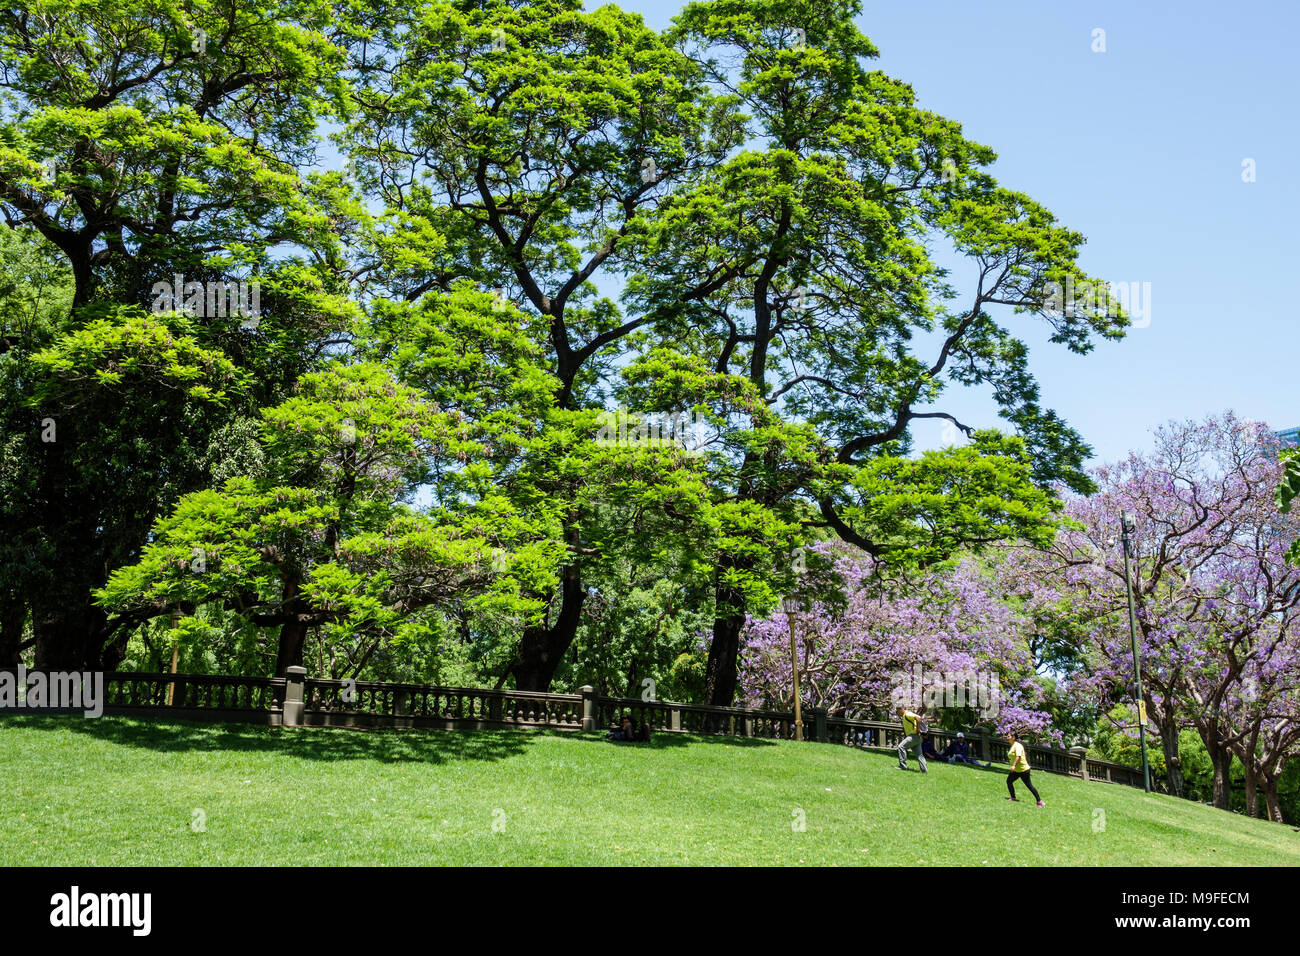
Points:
[(626, 731), (956, 752)]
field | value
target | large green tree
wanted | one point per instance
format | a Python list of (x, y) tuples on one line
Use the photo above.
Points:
[(771, 204), (733, 220), (836, 311), (321, 535), (147, 141), (322, 539), (532, 136)]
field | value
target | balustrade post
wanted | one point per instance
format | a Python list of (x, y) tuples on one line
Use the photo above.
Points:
[(1082, 754), (293, 697), (674, 716), (986, 747), (588, 707), (819, 724), (177, 691)]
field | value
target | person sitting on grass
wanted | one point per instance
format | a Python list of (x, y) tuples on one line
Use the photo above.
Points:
[(959, 751), (1019, 769), (623, 732), (927, 747), (627, 732)]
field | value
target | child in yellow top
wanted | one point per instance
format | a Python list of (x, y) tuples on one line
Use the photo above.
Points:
[(1019, 768)]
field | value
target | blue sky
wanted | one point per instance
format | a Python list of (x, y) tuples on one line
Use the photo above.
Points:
[(1140, 148)]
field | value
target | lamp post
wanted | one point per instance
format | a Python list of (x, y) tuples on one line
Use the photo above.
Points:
[(790, 605), (1127, 526)]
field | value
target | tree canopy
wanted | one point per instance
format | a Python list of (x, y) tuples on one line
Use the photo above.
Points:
[(549, 220)]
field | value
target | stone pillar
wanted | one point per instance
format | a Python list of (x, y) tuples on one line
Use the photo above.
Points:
[(177, 691), (986, 750), (1082, 754), (819, 724), (293, 692), (588, 707), (674, 716)]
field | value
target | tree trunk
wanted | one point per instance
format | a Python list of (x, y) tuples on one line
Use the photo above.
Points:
[(1173, 765), (633, 690), (1252, 802), (1222, 762), (542, 648), (1271, 799), (293, 636), (13, 614), (724, 655), (293, 632), (111, 657)]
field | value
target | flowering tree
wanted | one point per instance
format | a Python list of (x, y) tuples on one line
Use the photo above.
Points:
[(1216, 603), (858, 649), (1266, 708)]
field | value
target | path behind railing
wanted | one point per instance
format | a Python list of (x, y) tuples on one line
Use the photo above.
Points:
[(298, 700)]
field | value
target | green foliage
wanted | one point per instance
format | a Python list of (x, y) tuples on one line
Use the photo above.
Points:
[(320, 534), (394, 460), (924, 510), (180, 129), (641, 623), (1287, 492)]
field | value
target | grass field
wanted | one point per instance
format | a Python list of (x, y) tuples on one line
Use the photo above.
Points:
[(118, 791)]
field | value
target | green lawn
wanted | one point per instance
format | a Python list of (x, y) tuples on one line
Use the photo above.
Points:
[(118, 791)]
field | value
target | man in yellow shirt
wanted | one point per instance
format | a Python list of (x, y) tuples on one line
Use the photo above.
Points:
[(1019, 761), (911, 736)]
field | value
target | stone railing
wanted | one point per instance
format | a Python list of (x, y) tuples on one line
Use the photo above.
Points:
[(198, 696), (298, 700), (338, 703), (663, 715)]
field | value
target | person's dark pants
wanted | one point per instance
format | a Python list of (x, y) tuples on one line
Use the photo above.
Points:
[(1020, 775)]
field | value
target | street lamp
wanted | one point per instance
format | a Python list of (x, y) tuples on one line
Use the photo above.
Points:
[(791, 606), (1127, 526)]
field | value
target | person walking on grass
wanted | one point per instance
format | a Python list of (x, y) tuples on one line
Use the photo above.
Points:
[(911, 737), (1019, 769)]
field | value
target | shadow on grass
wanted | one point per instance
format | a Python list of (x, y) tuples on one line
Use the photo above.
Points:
[(385, 746), (320, 743)]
